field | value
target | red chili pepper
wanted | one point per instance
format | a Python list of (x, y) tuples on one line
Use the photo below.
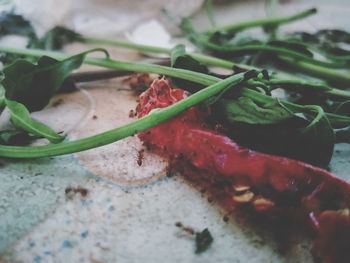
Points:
[(275, 188)]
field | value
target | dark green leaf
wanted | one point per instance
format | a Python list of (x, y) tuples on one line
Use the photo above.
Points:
[(179, 59), (34, 84), (297, 47), (343, 135), (203, 241), (55, 39), (15, 137), (319, 135), (11, 24), (343, 108), (246, 111), (20, 118)]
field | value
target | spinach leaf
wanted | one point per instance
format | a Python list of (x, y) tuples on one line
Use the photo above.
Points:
[(245, 110), (34, 84), (343, 108), (343, 135), (320, 135), (21, 119), (275, 129)]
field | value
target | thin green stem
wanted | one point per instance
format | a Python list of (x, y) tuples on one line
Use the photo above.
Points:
[(328, 74), (173, 72), (291, 84), (205, 59), (154, 118), (264, 22), (320, 72), (277, 50)]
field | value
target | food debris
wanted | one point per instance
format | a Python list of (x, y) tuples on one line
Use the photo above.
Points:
[(140, 156), (279, 191), (71, 192), (203, 240), (139, 82), (186, 229), (132, 114)]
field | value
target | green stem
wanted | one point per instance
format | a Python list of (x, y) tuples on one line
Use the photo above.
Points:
[(264, 22), (277, 50), (330, 75), (173, 72), (205, 59), (320, 72), (291, 84), (154, 118)]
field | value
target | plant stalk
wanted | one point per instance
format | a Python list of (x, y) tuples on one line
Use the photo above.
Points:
[(264, 22)]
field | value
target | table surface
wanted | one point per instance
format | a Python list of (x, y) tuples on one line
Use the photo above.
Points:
[(129, 213)]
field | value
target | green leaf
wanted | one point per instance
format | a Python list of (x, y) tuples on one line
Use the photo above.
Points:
[(343, 108), (34, 84), (245, 110), (179, 59), (320, 135), (15, 137), (276, 129), (55, 39), (343, 135), (11, 24), (21, 118)]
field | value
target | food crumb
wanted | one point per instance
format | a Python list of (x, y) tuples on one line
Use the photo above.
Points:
[(71, 191), (140, 156), (132, 114), (186, 229), (203, 240)]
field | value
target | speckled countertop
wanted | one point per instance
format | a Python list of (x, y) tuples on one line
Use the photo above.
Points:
[(128, 213)]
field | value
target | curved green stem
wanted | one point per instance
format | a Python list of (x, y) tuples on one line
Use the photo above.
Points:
[(173, 72), (264, 22), (154, 118)]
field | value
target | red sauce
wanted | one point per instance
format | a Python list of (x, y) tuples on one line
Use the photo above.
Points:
[(273, 187)]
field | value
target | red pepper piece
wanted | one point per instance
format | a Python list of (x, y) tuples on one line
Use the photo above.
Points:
[(271, 186)]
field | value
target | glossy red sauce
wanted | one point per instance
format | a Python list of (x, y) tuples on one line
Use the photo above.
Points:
[(275, 188)]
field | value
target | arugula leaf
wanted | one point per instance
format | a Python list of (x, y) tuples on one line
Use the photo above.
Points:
[(34, 84), (20, 118), (245, 110)]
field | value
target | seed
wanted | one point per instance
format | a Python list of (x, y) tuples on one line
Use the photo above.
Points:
[(262, 203), (243, 198), (241, 188), (344, 212)]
